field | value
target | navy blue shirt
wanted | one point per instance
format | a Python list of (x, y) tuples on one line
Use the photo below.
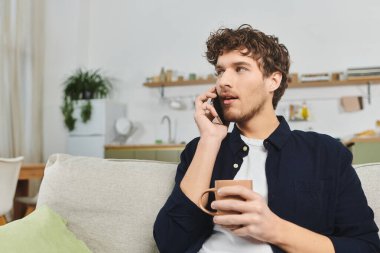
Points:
[(310, 183)]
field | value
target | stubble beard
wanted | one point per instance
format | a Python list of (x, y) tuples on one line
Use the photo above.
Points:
[(246, 116)]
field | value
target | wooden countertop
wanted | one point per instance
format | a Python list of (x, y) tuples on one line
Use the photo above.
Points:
[(366, 139), (362, 139), (146, 147), (32, 171)]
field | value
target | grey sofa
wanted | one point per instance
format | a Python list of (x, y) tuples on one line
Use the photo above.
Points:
[(111, 204)]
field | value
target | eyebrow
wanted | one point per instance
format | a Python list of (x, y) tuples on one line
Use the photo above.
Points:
[(239, 63)]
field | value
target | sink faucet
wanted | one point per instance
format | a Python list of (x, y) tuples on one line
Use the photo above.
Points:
[(166, 117)]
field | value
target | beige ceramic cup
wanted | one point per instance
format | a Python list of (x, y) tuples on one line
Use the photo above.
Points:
[(219, 184)]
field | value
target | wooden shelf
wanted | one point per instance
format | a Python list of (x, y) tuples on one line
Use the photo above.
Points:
[(180, 83), (291, 85), (334, 83)]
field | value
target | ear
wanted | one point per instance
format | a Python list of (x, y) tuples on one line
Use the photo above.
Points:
[(274, 81)]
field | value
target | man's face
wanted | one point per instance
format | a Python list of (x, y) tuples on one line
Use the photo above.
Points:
[(242, 89)]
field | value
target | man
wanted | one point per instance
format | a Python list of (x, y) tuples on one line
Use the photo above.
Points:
[(306, 196)]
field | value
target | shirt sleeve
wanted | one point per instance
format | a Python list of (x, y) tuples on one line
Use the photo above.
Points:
[(355, 229), (180, 225)]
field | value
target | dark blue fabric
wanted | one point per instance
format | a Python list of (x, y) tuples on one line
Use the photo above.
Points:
[(310, 182)]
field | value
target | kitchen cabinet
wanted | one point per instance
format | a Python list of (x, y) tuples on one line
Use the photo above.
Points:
[(365, 150), (160, 152)]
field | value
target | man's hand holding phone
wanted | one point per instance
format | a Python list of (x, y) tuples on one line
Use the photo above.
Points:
[(207, 117)]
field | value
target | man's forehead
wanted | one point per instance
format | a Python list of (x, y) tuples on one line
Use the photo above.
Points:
[(238, 57)]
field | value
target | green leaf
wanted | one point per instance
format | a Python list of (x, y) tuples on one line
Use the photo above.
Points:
[(83, 84), (86, 111)]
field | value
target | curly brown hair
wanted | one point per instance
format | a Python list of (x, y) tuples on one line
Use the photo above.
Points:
[(270, 55)]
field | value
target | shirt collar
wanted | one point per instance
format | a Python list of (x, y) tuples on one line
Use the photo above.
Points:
[(278, 138)]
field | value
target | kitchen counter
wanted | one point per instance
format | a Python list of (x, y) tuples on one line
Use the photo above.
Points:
[(364, 139), (146, 146), (159, 152), (364, 149)]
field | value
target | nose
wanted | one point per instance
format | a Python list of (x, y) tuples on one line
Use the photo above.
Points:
[(225, 80)]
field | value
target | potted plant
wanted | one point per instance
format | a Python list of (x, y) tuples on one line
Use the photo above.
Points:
[(83, 85)]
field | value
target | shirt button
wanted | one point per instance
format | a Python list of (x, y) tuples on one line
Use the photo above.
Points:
[(236, 165), (245, 148)]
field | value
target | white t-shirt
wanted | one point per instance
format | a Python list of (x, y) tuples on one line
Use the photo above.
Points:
[(253, 167)]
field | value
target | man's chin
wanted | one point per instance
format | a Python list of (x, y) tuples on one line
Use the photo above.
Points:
[(231, 118)]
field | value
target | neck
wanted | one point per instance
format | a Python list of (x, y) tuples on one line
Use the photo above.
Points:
[(260, 126)]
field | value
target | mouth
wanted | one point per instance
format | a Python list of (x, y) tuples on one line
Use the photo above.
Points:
[(228, 99)]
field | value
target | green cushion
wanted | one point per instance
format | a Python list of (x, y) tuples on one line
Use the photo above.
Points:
[(41, 231)]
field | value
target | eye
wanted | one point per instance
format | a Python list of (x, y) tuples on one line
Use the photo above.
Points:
[(241, 69), (219, 72)]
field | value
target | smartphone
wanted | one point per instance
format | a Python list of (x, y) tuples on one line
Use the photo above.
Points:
[(219, 110)]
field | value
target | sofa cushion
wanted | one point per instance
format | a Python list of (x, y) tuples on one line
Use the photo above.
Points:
[(369, 175), (111, 205), (41, 231)]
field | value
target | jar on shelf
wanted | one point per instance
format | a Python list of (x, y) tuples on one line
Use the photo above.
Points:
[(162, 75), (305, 111)]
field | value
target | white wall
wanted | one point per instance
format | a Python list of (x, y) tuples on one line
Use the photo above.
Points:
[(66, 44), (132, 40)]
